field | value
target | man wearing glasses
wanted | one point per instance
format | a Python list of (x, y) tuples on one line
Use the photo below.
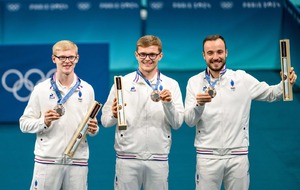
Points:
[(57, 106), (153, 107)]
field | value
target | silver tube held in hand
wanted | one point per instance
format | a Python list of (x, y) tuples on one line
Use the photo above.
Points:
[(285, 69), (120, 103), (80, 134)]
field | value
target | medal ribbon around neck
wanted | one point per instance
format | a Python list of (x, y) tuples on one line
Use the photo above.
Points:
[(61, 99), (207, 76), (148, 82)]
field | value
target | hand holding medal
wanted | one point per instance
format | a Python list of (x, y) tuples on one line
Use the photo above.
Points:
[(165, 95), (51, 115), (59, 109), (203, 98)]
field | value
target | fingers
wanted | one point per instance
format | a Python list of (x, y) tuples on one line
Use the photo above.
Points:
[(293, 76), (114, 109), (93, 126), (203, 98), (165, 95), (50, 115)]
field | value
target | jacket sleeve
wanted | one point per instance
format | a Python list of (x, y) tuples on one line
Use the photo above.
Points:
[(107, 118), (32, 120), (193, 112), (174, 110), (92, 97), (261, 90)]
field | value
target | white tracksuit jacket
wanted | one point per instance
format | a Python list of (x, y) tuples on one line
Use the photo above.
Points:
[(222, 125), (149, 123), (51, 142)]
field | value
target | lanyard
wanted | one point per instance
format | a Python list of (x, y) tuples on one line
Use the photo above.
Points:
[(148, 82), (207, 76), (61, 99)]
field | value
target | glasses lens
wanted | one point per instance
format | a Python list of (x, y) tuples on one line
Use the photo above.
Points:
[(64, 58), (71, 58), (151, 55), (143, 55)]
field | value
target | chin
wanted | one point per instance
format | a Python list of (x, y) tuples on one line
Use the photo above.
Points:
[(67, 73), (217, 68)]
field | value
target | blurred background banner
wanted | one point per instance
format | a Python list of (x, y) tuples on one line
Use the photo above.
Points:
[(291, 30), (252, 41), (116, 22), (23, 66), (252, 28)]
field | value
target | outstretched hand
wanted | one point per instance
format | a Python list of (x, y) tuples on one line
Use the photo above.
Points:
[(293, 76)]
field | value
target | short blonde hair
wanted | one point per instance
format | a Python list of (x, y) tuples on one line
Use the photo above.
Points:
[(64, 45), (149, 40)]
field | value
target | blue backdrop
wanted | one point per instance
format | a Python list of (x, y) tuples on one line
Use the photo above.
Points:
[(23, 66)]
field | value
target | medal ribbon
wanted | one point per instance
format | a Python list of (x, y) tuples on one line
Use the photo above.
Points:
[(61, 99), (207, 76), (148, 82)]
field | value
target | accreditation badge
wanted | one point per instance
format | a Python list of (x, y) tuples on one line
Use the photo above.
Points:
[(155, 96)]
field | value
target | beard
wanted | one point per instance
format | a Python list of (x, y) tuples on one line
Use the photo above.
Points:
[(217, 69)]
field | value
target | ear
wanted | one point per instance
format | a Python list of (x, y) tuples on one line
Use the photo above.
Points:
[(160, 56), (226, 53), (53, 59), (136, 55)]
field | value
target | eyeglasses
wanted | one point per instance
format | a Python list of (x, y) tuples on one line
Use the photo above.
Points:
[(64, 58), (151, 56)]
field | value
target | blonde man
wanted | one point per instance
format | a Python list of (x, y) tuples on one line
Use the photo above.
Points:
[(55, 109)]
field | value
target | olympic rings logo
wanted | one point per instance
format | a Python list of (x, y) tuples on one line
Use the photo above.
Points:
[(23, 81)]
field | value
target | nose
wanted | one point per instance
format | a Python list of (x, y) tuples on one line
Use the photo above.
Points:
[(147, 57), (215, 55), (68, 59)]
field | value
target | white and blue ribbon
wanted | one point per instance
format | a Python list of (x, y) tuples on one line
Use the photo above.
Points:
[(61, 99), (148, 82)]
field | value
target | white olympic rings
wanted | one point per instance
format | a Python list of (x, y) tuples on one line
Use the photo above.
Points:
[(23, 81)]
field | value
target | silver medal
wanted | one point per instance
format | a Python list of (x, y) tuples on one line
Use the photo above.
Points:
[(211, 91), (155, 96), (59, 109)]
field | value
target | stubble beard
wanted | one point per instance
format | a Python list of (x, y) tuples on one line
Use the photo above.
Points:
[(218, 69)]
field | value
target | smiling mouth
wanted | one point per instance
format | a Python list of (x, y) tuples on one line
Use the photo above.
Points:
[(67, 66), (148, 63)]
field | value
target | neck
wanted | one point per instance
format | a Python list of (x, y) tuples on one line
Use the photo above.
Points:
[(65, 79), (214, 74), (148, 74)]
